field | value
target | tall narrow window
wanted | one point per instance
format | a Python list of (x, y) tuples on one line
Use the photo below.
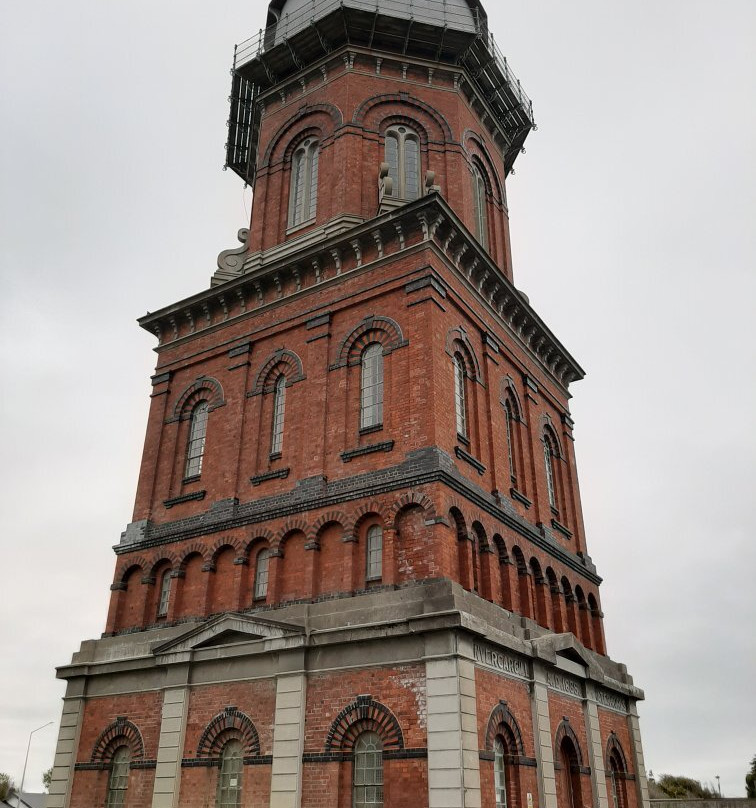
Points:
[(118, 781), (548, 459), (500, 774), (165, 594), (229, 779), (196, 446), (508, 418), (374, 553), (460, 402), (371, 386), (304, 183), (279, 406), (367, 786), (480, 203), (403, 158), (261, 574)]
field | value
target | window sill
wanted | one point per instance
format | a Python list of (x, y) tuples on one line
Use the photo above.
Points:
[(368, 430), (465, 441), (558, 526), (193, 479), (274, 456), (518, 497), (281, 474), (196, 495), (295, 228), (468, 458), (350, 454)]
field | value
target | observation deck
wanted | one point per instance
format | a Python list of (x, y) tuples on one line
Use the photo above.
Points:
[(433, 30)]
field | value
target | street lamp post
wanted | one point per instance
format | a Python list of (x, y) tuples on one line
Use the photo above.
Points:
[(719, 787), (26, 760)]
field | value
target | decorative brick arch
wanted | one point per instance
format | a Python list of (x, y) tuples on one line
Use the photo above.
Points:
[(548, 429), (195, 548), (412, 499), (501, 717), (290, 366), (221, 544), (364, 512), (205, 384), (130, 567), (161, 559), (564, 730), (508, 390), (427, 115), (120, 733), (330, 518), (263, 536), (364, 715), (475, 148), (457, 340), (614, 747), (328, 114), (293, 526), (231, 723), (372, 329)]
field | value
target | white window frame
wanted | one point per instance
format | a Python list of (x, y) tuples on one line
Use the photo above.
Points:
[(195, 447), (164, 599), (480, 202), (405, 186), (229, 794), (262, 566), (279, 413), (367, 771), (500, 773), (118, 780), (303, 192), (374, 553), (371, 386), (460, 395)]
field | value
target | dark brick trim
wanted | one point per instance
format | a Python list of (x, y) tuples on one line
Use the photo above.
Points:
[(350, 454), (516, 495), (468, 458), (195, 495), (160, 378), (102, 767), (417, 753), (420, 468), (281, 474), (240, 350), (315, 322), (561, 528), (423, 283)]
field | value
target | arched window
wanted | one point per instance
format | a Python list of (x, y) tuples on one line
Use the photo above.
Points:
[(118, 781), (500, 774), (460, 395), (195, 449), (304, 183), (229, 778), (617, 777), (374, 553), (367, 781), (480, 203), (510, 417), (403, 158), (371, 386), (279, 406), (165, 594), (549, 460), (261, 574)]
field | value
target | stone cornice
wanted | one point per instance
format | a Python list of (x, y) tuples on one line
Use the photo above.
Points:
[(428, 221)]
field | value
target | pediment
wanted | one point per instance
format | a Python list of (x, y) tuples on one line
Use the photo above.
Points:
[(229, 629), (564, 645)]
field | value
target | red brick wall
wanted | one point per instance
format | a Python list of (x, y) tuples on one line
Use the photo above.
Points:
[(561, 707), (402, 690), (613, 722), (141, 709), (490, 689)]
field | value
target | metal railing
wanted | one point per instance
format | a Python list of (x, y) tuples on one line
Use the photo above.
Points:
[(431, 12)]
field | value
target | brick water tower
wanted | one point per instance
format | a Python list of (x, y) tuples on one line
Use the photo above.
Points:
[(357, 571)]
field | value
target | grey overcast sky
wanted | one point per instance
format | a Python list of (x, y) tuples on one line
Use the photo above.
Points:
[(632, 218)]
